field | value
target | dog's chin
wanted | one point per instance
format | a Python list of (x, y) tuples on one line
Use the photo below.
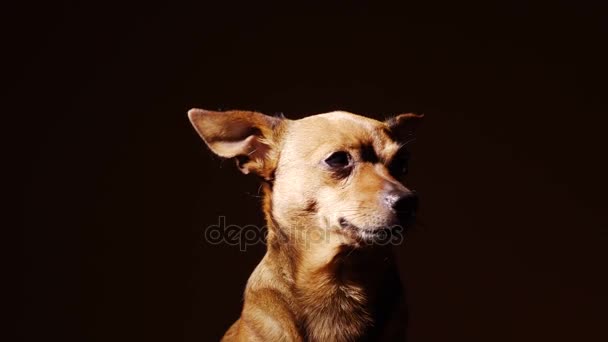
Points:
[(377, 235)]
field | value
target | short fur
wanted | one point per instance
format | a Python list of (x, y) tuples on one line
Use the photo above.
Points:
[(321, 279)]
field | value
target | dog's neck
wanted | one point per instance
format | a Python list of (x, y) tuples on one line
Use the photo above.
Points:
[(333, 284), (336, 285)]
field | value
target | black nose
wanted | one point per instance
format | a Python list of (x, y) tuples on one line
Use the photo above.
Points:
[(406, 206)]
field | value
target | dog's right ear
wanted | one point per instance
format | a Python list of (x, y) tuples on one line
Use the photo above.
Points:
[(249, 137)]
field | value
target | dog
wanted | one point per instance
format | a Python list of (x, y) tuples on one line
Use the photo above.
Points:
[(333, 191)]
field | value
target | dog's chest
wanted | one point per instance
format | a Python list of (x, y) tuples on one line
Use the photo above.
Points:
[(335, 313)]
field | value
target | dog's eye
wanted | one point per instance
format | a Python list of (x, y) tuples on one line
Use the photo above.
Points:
[(338, 159)]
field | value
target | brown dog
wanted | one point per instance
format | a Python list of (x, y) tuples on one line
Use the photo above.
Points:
[(333, 197)]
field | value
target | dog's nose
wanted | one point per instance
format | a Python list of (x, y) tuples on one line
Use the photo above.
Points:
[(405, 206)]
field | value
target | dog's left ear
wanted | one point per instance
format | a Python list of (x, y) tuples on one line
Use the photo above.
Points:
[(403, 126), (249, 137)]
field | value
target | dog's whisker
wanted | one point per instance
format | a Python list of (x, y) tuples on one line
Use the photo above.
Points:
[(409, 141)]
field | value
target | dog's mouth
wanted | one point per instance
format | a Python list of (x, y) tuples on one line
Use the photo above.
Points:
[(384, 234)]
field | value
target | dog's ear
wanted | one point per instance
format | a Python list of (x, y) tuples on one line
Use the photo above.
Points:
[(249, 137), (403, 126)]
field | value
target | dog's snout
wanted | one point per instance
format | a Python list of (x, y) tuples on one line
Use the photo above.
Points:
[(405, 205)]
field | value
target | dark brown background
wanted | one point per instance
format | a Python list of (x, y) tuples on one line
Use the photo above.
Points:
[(510, 163)]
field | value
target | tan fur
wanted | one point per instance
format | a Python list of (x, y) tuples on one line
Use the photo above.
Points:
[(317, 281)]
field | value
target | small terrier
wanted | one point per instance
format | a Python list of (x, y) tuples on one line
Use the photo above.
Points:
[(333, 193)]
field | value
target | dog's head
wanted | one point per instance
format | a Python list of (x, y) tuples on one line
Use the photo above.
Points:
[(336, 172)]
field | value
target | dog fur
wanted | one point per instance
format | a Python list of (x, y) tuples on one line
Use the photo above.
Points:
[(330, 186)]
